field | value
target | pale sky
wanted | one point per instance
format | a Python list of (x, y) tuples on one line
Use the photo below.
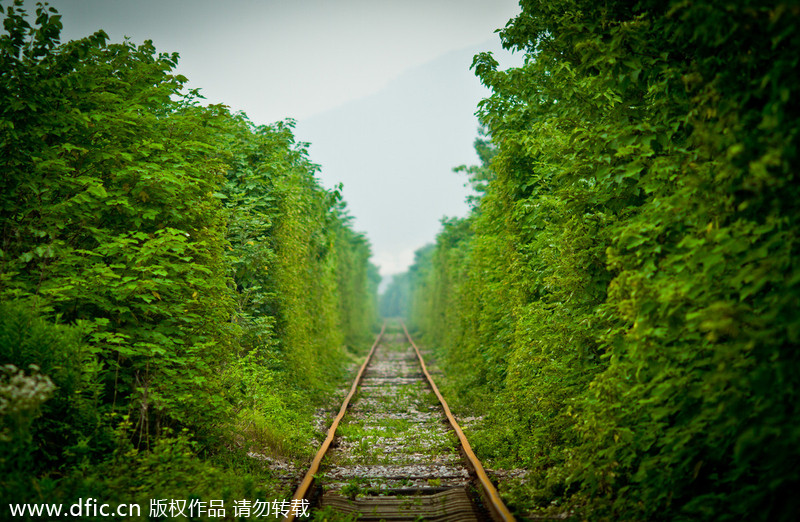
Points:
[(381, 89)]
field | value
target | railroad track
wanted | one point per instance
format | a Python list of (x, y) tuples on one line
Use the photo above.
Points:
[(395, 452)]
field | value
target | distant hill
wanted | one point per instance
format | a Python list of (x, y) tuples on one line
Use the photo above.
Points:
[(394, 151)]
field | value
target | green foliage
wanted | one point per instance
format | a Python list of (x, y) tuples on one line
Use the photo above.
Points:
[(49, 416), (160, 261), (629, 285), (394, 302), (171, 469), (108, 214)]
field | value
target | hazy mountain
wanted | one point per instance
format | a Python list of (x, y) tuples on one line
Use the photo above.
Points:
[(394, 151)]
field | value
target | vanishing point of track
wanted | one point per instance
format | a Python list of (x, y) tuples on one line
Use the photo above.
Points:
[(399, 453)]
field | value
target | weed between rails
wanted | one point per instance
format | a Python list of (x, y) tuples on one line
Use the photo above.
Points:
[(394, 437)]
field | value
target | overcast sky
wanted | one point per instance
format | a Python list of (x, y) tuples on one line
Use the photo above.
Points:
[(381, 89)]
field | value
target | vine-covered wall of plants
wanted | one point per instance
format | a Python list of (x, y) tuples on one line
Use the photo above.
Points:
[(176, 288), (624, 295)]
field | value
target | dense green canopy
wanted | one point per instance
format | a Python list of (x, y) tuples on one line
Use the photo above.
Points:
[(164, 266), (627, 288)]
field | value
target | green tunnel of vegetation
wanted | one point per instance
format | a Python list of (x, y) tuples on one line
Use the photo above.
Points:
[(176, 288), (624, 297)]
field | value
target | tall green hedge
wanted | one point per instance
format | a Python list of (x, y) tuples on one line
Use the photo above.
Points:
[(210, 283), (630, 277)]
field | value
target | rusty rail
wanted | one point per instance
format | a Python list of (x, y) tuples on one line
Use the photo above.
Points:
[(498, 509), (308, 480), (494, 503)]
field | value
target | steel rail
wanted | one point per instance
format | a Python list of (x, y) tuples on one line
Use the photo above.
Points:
[(495, 504), (308, 480)]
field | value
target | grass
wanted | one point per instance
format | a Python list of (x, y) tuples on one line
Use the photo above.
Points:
[(392, 426)]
